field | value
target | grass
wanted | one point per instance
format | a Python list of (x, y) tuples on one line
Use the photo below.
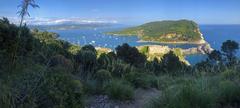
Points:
[(119, 90), (229, 94), (198, 92)]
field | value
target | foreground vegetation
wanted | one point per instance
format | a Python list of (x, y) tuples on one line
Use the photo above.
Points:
[(165, 31), (39, 71)]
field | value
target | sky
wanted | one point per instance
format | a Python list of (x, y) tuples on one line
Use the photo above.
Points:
[(128, 11)]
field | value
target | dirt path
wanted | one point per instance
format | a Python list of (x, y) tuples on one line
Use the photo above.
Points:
[(141, 97)]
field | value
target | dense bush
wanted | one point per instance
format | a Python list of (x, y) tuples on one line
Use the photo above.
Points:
[(103, 76), (36, 87), (13, 47), (185, 96), (63, 91), (130, 55), (5, 96), (171, 64), (229, 94), (230, 48), (155, 66), (142, 80), (61, 61), (120, 90), (204, 92), (86, 62)]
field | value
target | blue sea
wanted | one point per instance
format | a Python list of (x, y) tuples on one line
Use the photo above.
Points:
[(215, 35)]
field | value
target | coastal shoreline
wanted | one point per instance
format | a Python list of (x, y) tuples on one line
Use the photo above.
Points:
[(201, 42)]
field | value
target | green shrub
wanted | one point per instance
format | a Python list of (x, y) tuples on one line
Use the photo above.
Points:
[(61, 61), (229, 94), (86, 62), (142, 80), (186, 96), (63, 91), (103, 75), (5, 96), (155, 82), (229, 74), (119, 90), (90, 87), (172, 64), (162, 82), (119, 69), (130, 55)]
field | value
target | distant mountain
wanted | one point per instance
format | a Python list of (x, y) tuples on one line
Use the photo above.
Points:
[(70, 26), (181, 31)]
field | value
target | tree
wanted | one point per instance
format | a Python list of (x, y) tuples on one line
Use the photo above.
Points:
[(103, 76), (22, 13), (171, 63), (130, 55), (154, 66), (89, 48), (230, 48), (24, 9), (86, 61), (12, 46), (215, 56)]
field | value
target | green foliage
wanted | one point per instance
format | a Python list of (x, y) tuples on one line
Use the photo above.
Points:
[(182, 30), (103, 76), (61, 61), (116, 67), (171, 64), (24, 88), (63, 91), (185, 96), (74, 49), (230, 74), (10, 44), (24, 8), (119, 69), (47, 45), (105, 61), (163, 82), (154, 66), (86, 61), (5, 96), (130, 55), (215, 56), (89, 48), (119, 90), (37, 87), (140, 79), (229, 94), (229, 48), (202, 92)]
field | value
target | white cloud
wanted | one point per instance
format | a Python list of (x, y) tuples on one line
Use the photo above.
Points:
[(56, 21)]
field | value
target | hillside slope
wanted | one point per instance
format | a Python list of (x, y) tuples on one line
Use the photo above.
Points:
[(165, 31)]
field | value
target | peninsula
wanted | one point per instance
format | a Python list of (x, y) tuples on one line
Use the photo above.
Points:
[(181, 31)]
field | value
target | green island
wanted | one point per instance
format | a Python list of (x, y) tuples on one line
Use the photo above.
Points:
[(181, 31)]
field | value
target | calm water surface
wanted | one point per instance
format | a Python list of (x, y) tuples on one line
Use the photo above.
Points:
[(213, 34)]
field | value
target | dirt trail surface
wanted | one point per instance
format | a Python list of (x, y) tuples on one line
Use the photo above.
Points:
[(141, 97)]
